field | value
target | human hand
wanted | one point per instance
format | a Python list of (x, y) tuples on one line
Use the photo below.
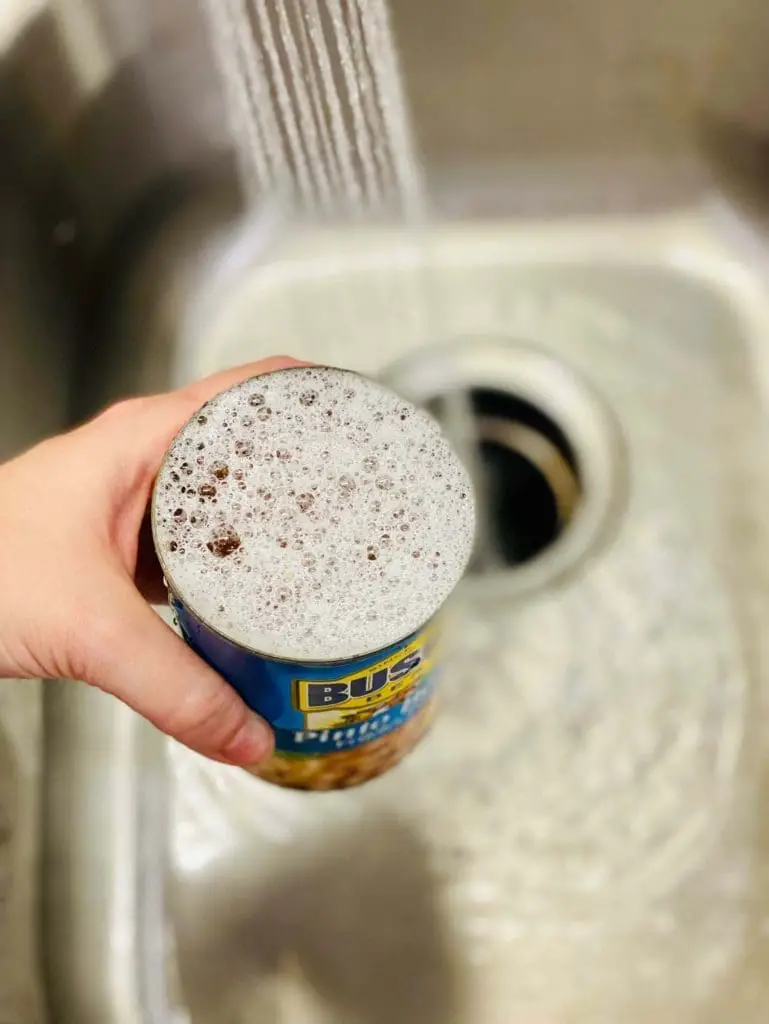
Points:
[(77, 569)]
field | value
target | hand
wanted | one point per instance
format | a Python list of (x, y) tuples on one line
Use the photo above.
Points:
[(77, 569)]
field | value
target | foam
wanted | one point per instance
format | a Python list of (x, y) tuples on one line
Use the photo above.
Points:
[(312, 514)]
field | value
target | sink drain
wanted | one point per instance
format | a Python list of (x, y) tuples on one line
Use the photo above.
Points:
[(529, 475), (545, 453)]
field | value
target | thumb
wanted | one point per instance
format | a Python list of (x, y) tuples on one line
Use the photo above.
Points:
[(135, 656)]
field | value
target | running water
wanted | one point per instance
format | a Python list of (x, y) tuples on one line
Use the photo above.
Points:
[(319, 118), (316, 104)]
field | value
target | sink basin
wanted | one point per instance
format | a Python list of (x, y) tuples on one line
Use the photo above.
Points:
[(580, 839)]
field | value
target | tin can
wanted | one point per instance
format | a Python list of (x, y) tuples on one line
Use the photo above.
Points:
[(336, 724), (341, 718)]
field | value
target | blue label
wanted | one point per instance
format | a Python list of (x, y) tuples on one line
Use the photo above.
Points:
[(380, 723), (317, 710)]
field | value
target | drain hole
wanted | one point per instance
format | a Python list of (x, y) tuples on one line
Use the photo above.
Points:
[(529, 473)]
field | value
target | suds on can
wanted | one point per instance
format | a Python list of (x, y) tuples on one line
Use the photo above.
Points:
[(309, 523)]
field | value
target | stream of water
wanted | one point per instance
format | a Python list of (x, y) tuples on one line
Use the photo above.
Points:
[(316, 105), (319, 120)]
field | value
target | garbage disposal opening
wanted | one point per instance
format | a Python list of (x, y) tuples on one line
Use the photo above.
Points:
[(528, 474)]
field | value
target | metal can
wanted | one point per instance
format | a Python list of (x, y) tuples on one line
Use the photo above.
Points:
[(338, 720), (336, 724)]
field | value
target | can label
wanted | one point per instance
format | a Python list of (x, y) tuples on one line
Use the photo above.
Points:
[(335, 725)]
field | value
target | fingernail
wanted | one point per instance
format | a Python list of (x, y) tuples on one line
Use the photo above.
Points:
[(252, 744)]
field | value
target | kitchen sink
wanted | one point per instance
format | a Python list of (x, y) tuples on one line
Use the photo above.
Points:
[(581, 838)]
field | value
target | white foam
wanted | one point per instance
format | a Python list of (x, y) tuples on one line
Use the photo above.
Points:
[(312, 514)]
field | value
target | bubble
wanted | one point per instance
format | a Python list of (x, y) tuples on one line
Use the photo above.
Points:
[(370, 464), (346, 484), (308, 397), (305, 501), (243, 448), (220, 470), (207, 491), (384, 483), (224, 543), (264, 414), (256, 399), (179, 515)]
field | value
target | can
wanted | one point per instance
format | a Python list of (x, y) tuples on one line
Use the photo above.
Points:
[(337, 723)]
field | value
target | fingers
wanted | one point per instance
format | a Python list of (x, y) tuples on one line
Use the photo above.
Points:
[(145, 427), (134, 655), (130, 651), (203, 390)]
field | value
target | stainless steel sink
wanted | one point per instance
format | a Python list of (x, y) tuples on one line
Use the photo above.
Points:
[(582, 837)]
